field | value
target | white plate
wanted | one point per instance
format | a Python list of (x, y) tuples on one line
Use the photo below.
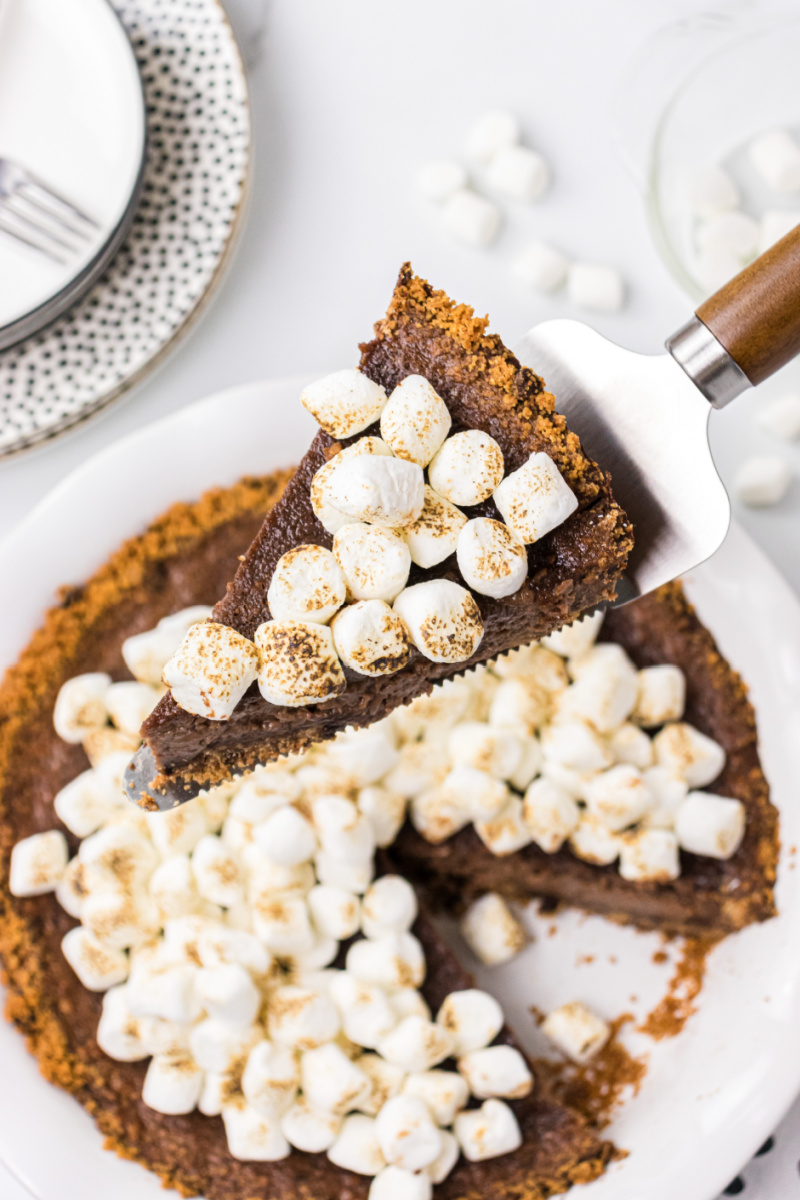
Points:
[(72, 112), (711, 1095)]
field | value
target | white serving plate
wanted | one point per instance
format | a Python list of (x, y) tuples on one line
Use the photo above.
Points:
[(713, 1094)]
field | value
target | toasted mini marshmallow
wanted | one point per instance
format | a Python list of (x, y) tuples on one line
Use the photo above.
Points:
[(286, 837), (491, 930), (343, 831), (330, 518), (573, 743), (335, 911), (709, 824), (81, 706), (392, 960), (261, 793), (386, 1079), (661, 695), (567, 778), (211, 670), (271, 1078), (576, 1031), (219, 1047), (71, 889), (415, 420), (385, 810), (529, 764), (229, 995), (364, 755), (618, 797), (219, 946), (604, 693), (117, 855), (688, 752), (519, 172), (441, 1167), (253, 1137), (178, 830), (468, 467), (712, 192), (106, 742), (416, 1044), (593, 841), (477, 793), (762, 480), (443, 1093), (163, 989), (375, 561), (396, 1183), (331, 1081), (434, 535), (439, 179), (408, 1002), (471, 219), (446, 704), (520, 704), (299, 663), (439, 813), (84, 804), (573, 640), (354, 876), (776, 157), (781, 417), (164, 1037), (366, 1013), (146, 654), (118, 1031), (422, 766), (490, 133), (344, 403), (505, 833), (120, 918), (550, 814), (473, 1017), (38, 863), (540, 266), (406, 1133), (488, 1131), (390, 906), (496, 1071), (321, 954), (594, 286), (649, 855), (669, 791), (310, 1129), (217, 872), (282, 923), (172, 888), (442, 618), (307, 585), (302, 1017), (535, 498), (172, 1084), (265, 877), (377, 489), (130, 703), (97, 966), (491, 559), (630, 744), (357, 1148)]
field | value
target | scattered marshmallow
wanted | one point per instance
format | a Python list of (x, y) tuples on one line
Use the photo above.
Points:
[(415, 420), (130, 703), (393, 960), (97, 966), (71, 889), (38, 863), (443, 1092), (713, 192), (286, 837), (468, 468), (217, 872), (86, 803), (344, 403), (488, 1131), (370, 638), (438, 180), (687, 752), (407, 1135), (775, 224), (220, 1048), (251, 1136), (573, 743), (366, 754), (439, 813), (505, 833), (354, 876), (121, 919), (373, 561), (520, 704), (416, 1044), (172, 1084), (649, 856), (386, 1079), (575, 639), (163, 989), (604, 692), (271, 1078), (535, 498), (592, 841), (597, 287), (441, 1167), (146, 654), (496, 1071), (335, 912), (442, 618), (711, 825), (395, 1183), (283, 924), (473, 1017), (366, 1013), (378, 490), (434, 535), (302, 1017), (299, 663), (357, 1148), (118, 855), (550, 814), (762, 480), (576, 1031), (540, 266), (490, 133), (669, 791), (343, 831), (781, 417), (471, 219), (491, 930), (81, 706), (307, 585), (386, 811), (310, 1129), (211, 670), (493, 749), (518, 172), (329, 517), (491, 559), (735, 233), (776, 157), (118, 1031), (178, 830), (661, 695), (229, 995), (331, 1081), (389, 906), (618, 797)]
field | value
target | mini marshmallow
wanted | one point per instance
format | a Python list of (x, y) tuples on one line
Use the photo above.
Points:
[(217, 872), (540, 266), (172, 1084), (120, 918), (344, 403), (211, 670), (97, 966), (163, 1037), (118, 1031), (711, 825), (310, 1129), (322, 953), (395, 1183), (618, 797), (762, 480), (422, 765), (440, 709), (649, 855), (286, 837), (686, 751), (550, 814), (543, 667), (439, 813), (299, 663), (491, 559), (713, 191), (535, 498), (605, 692), (573, 640), (574, 744), (335, 912), (331, 1081), (529, 765), (781, 417), (496, 1071), (265, 877), (357, 1148), (330, 518), (473, 1017), (271, 1078), (441, 1167), (146, 654), (576, 1031), (468, 468), (302, 1017), (163, 989), (630, 744), (607, 658), (129, 704), (415, 420), (364, 755), (443, 1092), (443, 620), (775, 224), (118, 855), (406, 1134), (389, 906), (81, 706), (668, 791), (378, 490), (488, 1131), (471, 219), (393, 960), (71, 889), (477, 792), (38, 863), (594, 842), (84, 804), (597, 287), (491, 133), (366, 1013), (518, 172), (219, 1091), (282, 923), (734, 233), (776, 157), (416, 1044), (343, 831), (251, 1136), (106, 742), (172, 888), (433, 537), (491, 930), (220, 1048), (374, 561), (354, 876), (520, 704), (566, 778), (507, 832), (661, 695), (221, 947), (386, 812), (229, 995), (261, 792), (438, 180), (178, 830), (307, 585)]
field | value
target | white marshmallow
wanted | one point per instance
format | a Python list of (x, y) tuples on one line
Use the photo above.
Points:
[(81, 706), (215, 802), (594, 842), (529, 766), (386, 1079), (618, 797), (574, 744), (211, 670), (395, 1183), (781, 417), (354, 876), (343, 831), (406, 1134), (668, 791), (118, 855), (518, 172), (389, 906), (733, 233), (630, 744), (364, 755), (535, 498), (219, 1048), (597, 287), (468, 468), (178, 830), (442, 618), (97, 966), (330, 518), (490, 133), (71, 889), (38, 863), (535, 663), (261, 792), (221, 947), (331, 1081), (775, 224), (307, 585), (762, 480), (573, 640), (172, 888), (251, 1136), (118, 1031), (550, 814), (439, 813), (163, 1037), (416, 1044), (219, 1091), (386, 812), (299, 663), (377, 489), (283, 924), (271, 1078), (566, 778), (661, 695), (321, 954), (576, 1031), (408, 1002), (229, 995), (163, 989), (711, 825), (366, 1013), (344, 403), (265, 877), (217, 872), (488, 1131), (356, 1148), (433, 537), (172, 1084), (393, 960), (540, 266), (713, 191), (84, 804), (335, 912), (439, 179), (471, 219), (146, 654), (104, 742), (286, 837), (507, 832), (443, 1093), (520, 704), (302, 1017), (689, 753), (496, 1071), (129, 704), (469, 789), (310, 1129), (607, 657), (415, 420), (604, 693), (473, 1017), (421, 766), (776, 157), (370, 638), (491, 559), (374, 561), (491, 930), (441, 1167), (649, 855), (120, 918)]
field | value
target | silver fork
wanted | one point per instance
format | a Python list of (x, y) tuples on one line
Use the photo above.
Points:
[(32, 212)]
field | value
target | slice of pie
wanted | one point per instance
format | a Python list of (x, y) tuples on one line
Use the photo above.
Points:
[(482, 393)]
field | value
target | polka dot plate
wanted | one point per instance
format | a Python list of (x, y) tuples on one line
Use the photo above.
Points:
[(198, 134)]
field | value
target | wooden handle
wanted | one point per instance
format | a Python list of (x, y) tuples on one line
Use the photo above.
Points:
[(756, 315)]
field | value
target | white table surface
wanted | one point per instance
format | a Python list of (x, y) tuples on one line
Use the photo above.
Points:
[(348, 99)]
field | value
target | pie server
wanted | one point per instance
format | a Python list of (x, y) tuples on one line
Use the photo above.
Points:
[(645, 419)]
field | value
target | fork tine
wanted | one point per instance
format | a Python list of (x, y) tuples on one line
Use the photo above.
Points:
[(48, 194), (10, 231), (33, 227), (25, 195)]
